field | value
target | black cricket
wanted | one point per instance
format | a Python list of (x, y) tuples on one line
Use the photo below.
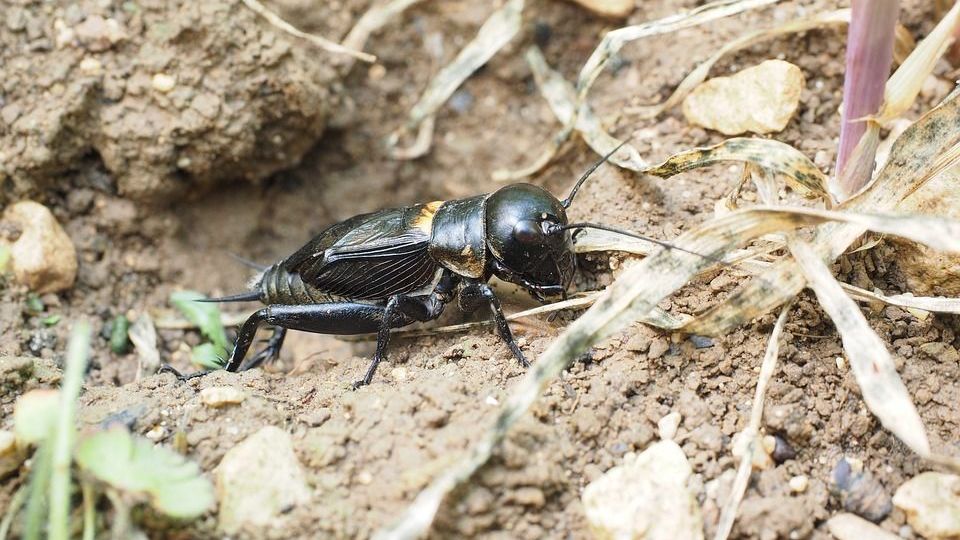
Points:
[(391, 268)]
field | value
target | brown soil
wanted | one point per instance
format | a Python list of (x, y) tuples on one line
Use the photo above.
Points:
[(368, 452)]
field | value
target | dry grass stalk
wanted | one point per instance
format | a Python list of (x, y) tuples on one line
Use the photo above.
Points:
[(322, 42)]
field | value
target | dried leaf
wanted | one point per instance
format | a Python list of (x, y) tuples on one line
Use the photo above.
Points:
[(905, 83), (790, 164), (611, 44), (699, 74), (924, 150), (871, 363)]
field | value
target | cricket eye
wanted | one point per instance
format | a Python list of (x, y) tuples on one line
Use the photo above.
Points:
[(527, 232)]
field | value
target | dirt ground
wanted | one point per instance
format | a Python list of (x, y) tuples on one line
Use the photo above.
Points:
[(367, 453)]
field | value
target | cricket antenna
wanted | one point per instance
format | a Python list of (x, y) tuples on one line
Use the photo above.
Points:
[(667, 245), (583, 178)]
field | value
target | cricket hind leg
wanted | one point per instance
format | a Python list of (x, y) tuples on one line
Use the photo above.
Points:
[(270, 352)]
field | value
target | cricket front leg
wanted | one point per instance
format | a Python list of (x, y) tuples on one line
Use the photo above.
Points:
[(476, 293)]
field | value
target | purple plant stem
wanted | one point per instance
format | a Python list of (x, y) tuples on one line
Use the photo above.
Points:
[(869, 57)]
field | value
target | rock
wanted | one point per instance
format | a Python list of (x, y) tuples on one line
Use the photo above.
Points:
[(859, 491), (668, 425), (940, 351), (15, 371), (609, 8), (221, 396), (845, 526), (760, 99), (258, 480), (798, 484), (931, 501), (645, 497), (927, 271), (43, 257), (11, 455)]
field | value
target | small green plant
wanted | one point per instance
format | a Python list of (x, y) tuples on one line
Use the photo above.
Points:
[(114, 463), (207, 317), (119, 341)]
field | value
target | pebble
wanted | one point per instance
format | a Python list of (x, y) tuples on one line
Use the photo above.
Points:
[(91, 66), (844, 526), (668, 425), (609, 8), (658, 347), (859, 491), (799, 484), (760, 99), (99, 34), (258, 480), (43, 257), (221, 396), (11, 456), (931, 501), (761, 454), (163, 83), (645, 498)]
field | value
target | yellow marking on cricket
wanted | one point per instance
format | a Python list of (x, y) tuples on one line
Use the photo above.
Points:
[(424, 221)]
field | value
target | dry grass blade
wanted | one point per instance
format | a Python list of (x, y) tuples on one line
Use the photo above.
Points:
[(934, 304), (699, 74), (496, 32), (904, 85), (775, 156), (375, 19), (924, 150), (881, 387), (322, 42), (729, 513), (562, 99), (614, 40)]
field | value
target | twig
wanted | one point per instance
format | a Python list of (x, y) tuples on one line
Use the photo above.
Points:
[(323, 43), (729, 513)]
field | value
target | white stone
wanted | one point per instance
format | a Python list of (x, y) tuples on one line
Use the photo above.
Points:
[(609, 8), (221, 396), (668, 425), (845, 526), (760, 99), (931, 501), (645, 498), (798, 484), (258, 480), (43, 257), (163, 83)]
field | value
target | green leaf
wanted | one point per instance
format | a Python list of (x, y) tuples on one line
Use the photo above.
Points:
[(206, 355), (205, 315), (119, 343), (34, 304), (171, 484), (51, 320)]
